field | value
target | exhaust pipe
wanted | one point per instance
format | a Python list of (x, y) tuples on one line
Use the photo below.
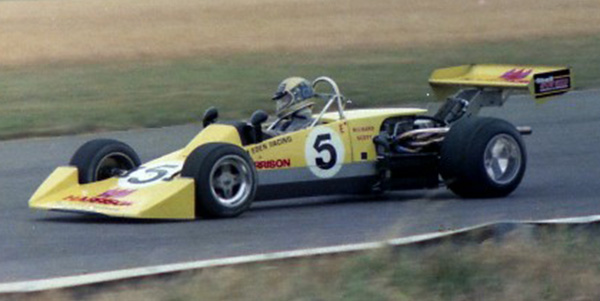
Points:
[(525, 130)]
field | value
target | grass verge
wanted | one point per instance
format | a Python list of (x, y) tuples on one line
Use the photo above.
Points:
[(60, 99), (556, 265)]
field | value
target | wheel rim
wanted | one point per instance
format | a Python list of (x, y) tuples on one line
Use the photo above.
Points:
[(231, 180), (502, 159), (112, 165)]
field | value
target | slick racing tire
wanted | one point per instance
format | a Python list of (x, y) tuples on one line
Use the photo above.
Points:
[(225, 179), (100, 159), (482, 157)]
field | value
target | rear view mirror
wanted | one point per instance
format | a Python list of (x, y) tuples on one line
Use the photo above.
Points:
[(258, 117), (210, 116)]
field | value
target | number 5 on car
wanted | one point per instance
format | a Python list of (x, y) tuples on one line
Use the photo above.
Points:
[(228, 165)]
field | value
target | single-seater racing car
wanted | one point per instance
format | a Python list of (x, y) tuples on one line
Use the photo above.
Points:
[(228, 165)]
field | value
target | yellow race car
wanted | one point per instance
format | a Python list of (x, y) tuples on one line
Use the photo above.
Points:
[(228, 165)]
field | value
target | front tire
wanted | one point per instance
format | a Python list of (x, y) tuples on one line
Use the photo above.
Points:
[(483, 157), (225, 179), (100, 159)]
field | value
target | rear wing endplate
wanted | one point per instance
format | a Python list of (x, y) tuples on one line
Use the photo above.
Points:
[(540, 81)]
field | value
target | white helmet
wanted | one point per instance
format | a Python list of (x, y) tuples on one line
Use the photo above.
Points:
[(292, 95)]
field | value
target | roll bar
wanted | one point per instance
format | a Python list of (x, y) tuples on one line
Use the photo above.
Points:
[(335, 97)]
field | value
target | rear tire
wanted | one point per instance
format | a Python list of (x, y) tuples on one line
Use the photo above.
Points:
[(225, 179), (100, 159), (483, 157)]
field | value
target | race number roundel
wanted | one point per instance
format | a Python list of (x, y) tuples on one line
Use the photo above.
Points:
[(150, 174), (324, 152)]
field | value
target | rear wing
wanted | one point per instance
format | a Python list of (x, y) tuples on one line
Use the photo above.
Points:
[(540, 81)]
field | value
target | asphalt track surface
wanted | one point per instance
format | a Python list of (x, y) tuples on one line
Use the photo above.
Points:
[(562, 180)]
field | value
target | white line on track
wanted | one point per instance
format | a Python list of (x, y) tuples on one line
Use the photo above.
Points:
[(87, 279)]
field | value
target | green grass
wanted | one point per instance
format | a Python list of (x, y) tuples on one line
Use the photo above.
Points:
[(71, 98)]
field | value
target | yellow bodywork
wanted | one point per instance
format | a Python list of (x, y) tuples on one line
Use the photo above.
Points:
[(291, 157), (61, 191), (447, 81), (364, 124), (174, 199)]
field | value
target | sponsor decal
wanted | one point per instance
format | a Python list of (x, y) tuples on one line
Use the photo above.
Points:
[(280, 141), (363, 132), (552, 83), (108, 197), (549, 84), (273, 143), (517, 75), (544, 80), (259, 148), (324, 152), (272, 164), (364, 137), (97, 200), (361, 129)]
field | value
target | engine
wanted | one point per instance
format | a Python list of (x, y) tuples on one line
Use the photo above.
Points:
[(410, 135)]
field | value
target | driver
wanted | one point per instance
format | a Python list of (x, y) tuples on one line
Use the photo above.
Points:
[(293, 108)]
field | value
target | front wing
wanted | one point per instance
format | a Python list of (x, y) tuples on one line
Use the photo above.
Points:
[(168, 200)]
